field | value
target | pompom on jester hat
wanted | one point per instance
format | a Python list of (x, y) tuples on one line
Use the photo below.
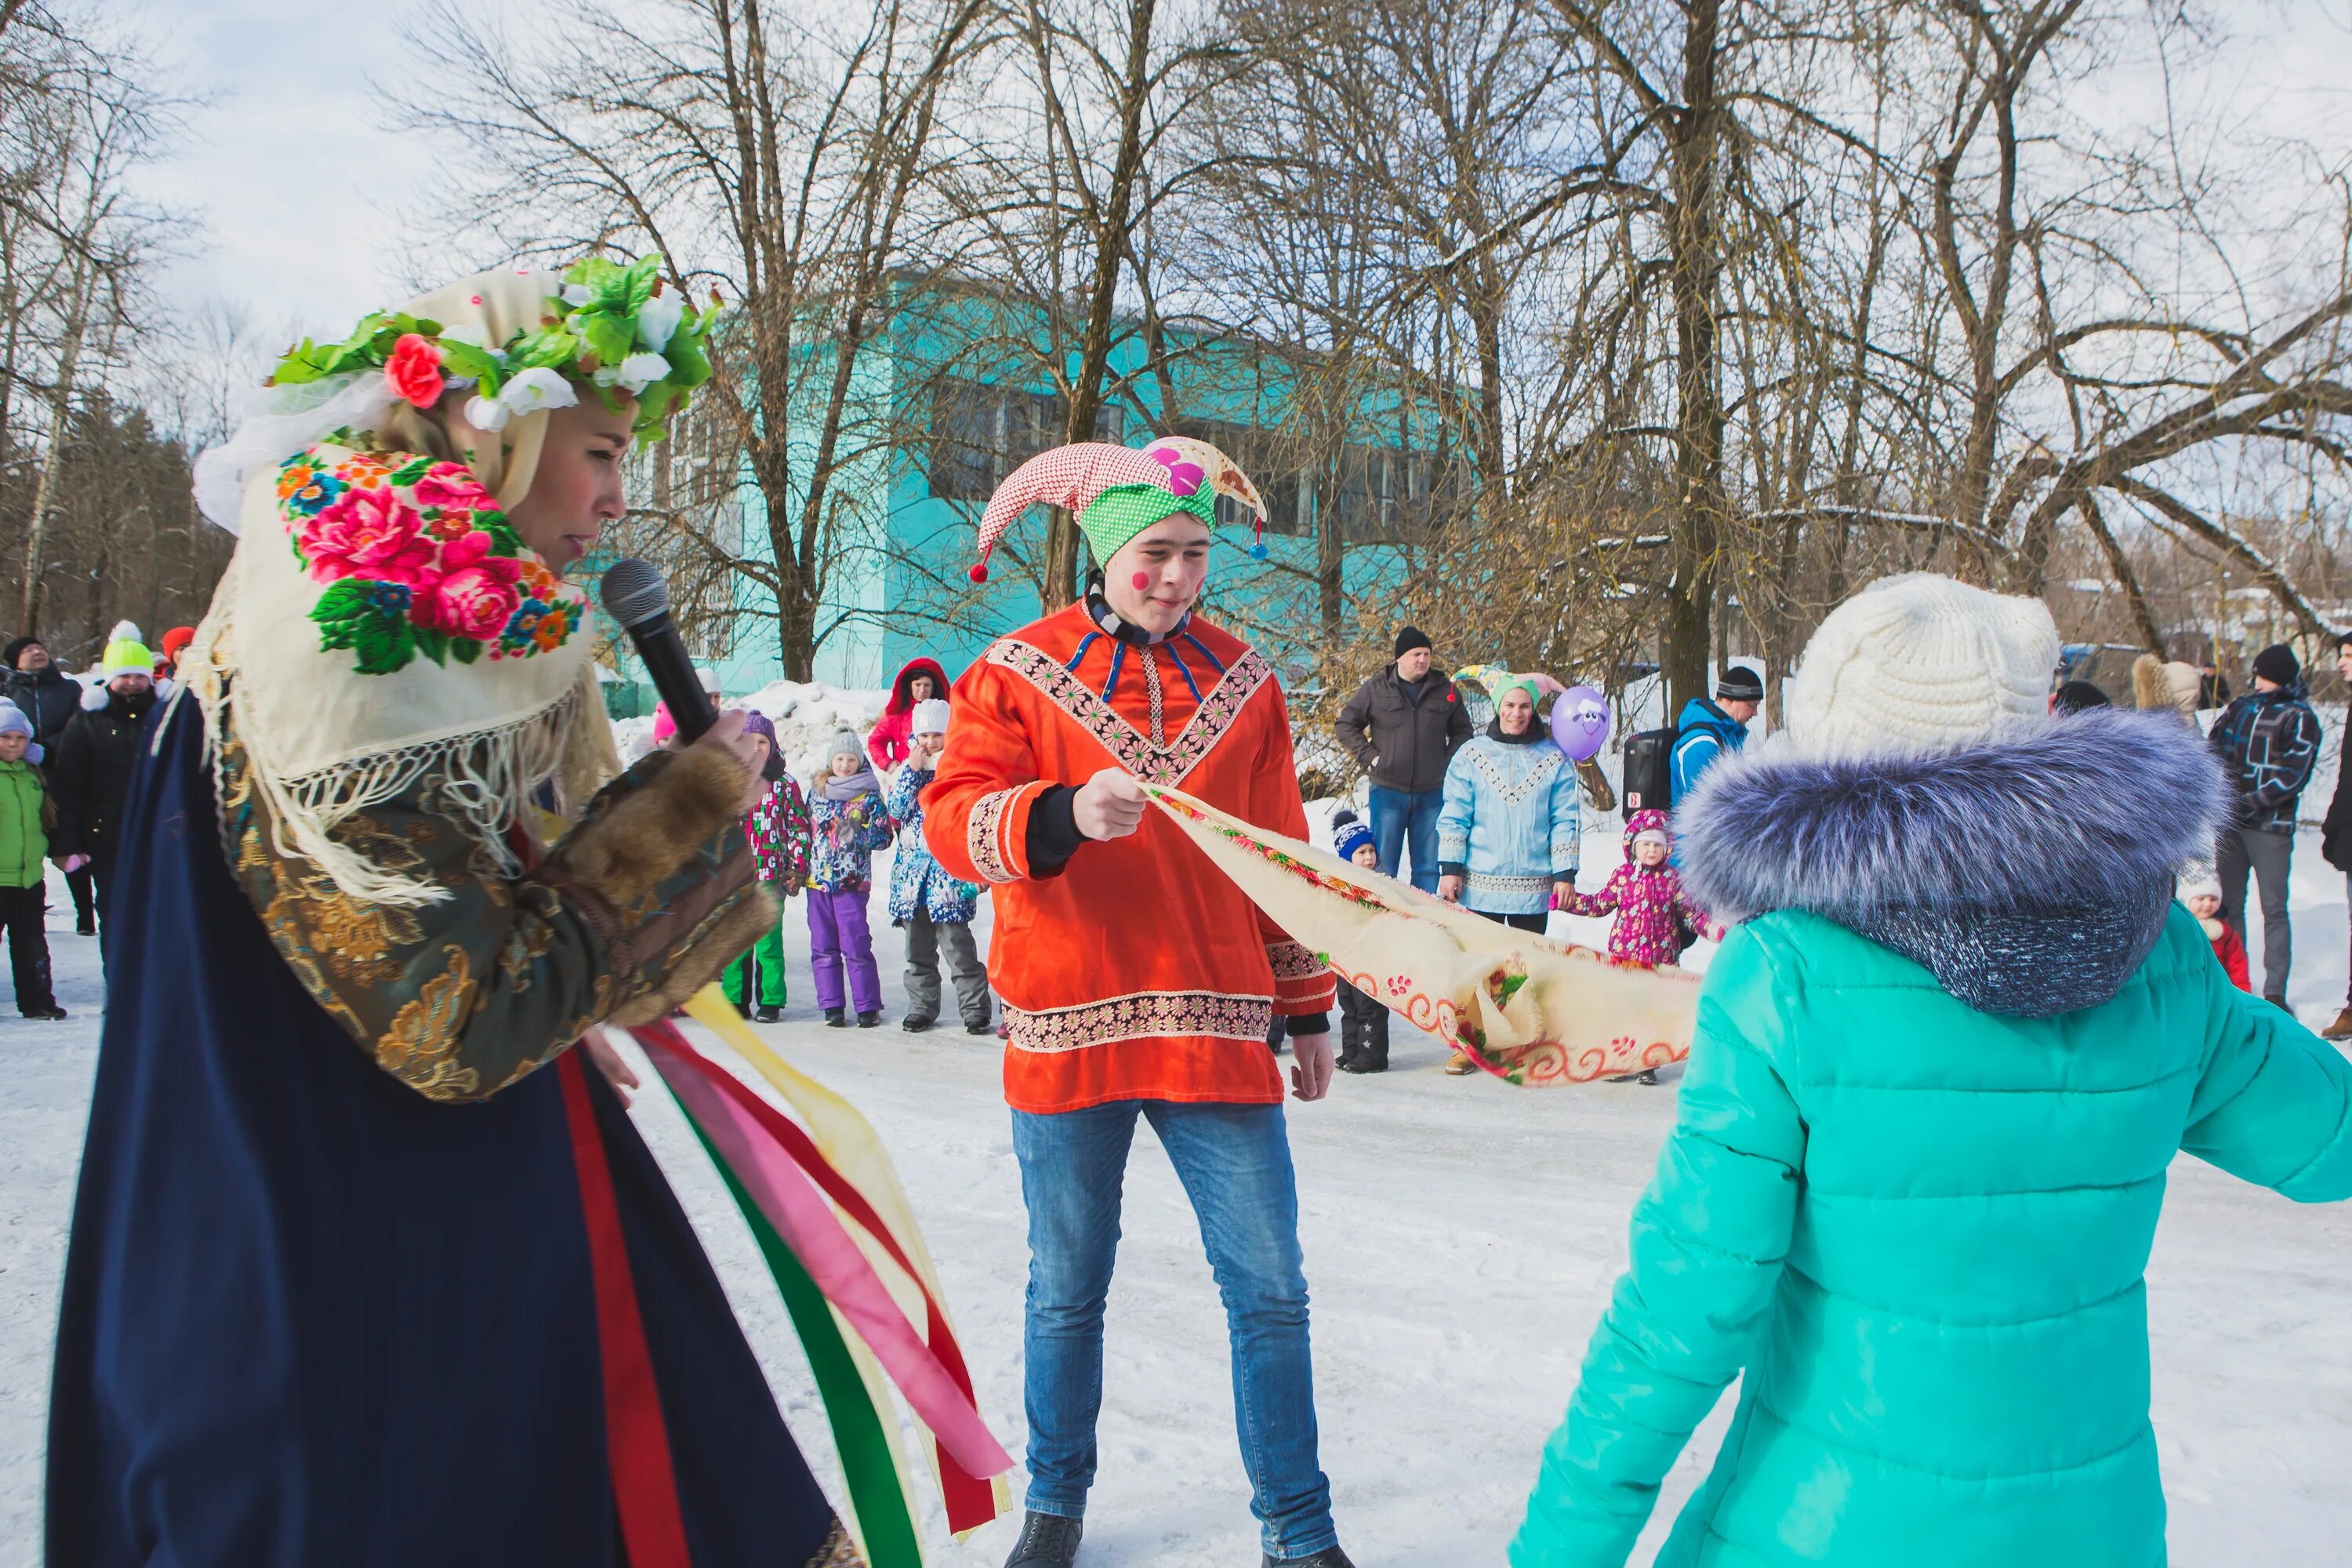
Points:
[(1116, 492)]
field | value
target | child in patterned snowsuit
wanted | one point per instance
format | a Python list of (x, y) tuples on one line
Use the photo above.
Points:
[(778, 828), (933, 908), (848, 822), (1646, 895)]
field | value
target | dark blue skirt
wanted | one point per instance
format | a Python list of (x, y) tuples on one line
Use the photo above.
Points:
[(312, 1318)]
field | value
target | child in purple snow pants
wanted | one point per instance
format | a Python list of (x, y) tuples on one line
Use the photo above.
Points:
[(848, 822)]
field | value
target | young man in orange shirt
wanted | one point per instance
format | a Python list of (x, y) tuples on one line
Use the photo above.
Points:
[(1138, 980)]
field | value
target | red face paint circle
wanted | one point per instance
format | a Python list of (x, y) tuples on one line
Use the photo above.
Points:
[(1142, 580)]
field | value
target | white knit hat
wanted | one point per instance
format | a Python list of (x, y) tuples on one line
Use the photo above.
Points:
[(1923, 663), (2198, 882), (930, 717)]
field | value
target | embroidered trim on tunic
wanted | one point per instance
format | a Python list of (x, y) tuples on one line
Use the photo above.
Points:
[(1517, 887), (1516, 791), (1140, 1016), (984, 835), (1165, 764), (1293, 960), (837, 1551)]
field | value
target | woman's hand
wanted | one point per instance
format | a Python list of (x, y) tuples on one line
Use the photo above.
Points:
[(728, 735), (1563, 893), (606, 1058), (1449, 888)]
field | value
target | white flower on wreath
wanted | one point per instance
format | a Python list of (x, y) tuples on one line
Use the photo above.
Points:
[(529, 391), (577, 294), (657, 318), (634, 374)]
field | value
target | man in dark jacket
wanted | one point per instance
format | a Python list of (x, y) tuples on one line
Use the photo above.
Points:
[(1402, 725), (2335, 835), (33, 681), (94, 759), (2267, 741)]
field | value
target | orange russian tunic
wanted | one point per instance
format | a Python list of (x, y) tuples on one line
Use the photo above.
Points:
[(1136, 970)]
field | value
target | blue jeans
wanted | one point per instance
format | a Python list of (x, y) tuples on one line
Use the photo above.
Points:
[(1403, 820), (1234, 1162)]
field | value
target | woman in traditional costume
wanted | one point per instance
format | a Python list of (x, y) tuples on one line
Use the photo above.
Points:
[(419, 1302)]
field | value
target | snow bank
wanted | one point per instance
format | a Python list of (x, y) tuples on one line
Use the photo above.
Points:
[(805, 714)]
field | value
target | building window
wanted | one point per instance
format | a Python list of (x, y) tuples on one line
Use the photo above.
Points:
[(981, 432)]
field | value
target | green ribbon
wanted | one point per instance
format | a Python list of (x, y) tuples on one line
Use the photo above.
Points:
[(867, 1465)]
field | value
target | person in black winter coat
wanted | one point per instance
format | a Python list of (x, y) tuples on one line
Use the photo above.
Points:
[(2335, 837), (91, 774), (49, 698), (2268, 740), (1402, 725), (1363, 1020)]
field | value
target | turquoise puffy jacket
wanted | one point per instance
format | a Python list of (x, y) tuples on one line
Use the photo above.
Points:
[(1920, 1224)]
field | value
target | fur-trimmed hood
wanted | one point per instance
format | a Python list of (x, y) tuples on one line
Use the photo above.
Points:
[(2031, 874)]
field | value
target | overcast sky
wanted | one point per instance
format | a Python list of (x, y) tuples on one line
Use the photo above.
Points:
[(298, 194)]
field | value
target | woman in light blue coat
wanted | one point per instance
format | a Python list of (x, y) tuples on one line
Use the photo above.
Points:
[(1507, 827)]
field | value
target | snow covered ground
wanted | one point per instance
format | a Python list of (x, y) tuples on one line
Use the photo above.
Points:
[(1461, 1239)]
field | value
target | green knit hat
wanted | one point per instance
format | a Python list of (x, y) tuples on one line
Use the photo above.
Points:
[(1122, 511)]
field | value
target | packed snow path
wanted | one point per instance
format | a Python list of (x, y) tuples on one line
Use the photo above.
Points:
[(1461, 1240)]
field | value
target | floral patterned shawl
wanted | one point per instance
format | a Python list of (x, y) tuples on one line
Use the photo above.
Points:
[(381, 620)]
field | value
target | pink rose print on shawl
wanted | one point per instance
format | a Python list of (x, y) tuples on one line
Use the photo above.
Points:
[(414, 370), (453, 485), (1184, 477), (372, 533), (476, 598)]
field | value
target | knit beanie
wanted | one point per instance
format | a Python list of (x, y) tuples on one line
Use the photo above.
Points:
[(125, 653), (2277, 663), (14, 650), (1923, 663), (664, 725), (2199, 882), (1349, 833), (1739, 683), (175, 639), (930, 717), (846, 743), (757, 723), (1408, 638), (12, 721)]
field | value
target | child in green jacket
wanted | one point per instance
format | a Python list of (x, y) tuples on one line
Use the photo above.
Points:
[(26, 818)]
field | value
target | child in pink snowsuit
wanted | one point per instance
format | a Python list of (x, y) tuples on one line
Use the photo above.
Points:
[(1646, 895)]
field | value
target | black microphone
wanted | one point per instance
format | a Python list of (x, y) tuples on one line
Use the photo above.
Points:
[(638, 601)]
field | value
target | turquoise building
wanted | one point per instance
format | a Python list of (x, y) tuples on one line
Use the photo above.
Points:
[(957, 391)]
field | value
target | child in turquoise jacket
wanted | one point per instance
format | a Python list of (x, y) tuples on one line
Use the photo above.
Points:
[(1920, 1148)]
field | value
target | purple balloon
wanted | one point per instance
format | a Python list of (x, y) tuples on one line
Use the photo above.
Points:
[(1580, 722)]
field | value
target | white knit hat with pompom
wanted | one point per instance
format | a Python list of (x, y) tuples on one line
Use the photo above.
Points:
[(1923, 663)]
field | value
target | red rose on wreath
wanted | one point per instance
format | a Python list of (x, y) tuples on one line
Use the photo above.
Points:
[(415, 370), (369, 533)]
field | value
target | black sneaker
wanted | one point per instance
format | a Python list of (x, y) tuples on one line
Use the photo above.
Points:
[(982, 1027), (835, 1019), (867, 1020), (768, 1015), (915, 1026), (1047, 1541), (1330, 1557), (85, 930), (52, 1012)]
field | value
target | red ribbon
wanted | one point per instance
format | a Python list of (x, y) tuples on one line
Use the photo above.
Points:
[(636, 1441)]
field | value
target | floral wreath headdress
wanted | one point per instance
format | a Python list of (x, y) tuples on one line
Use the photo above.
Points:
[(618, 329)]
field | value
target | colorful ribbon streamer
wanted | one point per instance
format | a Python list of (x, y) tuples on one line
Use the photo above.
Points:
[(826, 1206)]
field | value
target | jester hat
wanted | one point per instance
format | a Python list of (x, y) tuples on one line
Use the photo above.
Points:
[(1119, 491)]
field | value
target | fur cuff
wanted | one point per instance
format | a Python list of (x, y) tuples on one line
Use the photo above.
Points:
[(652, 821)]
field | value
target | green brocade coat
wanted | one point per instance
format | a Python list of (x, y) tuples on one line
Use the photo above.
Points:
[(1919, 1229)]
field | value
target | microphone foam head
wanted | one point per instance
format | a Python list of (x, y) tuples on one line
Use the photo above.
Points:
[(634, 591)]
